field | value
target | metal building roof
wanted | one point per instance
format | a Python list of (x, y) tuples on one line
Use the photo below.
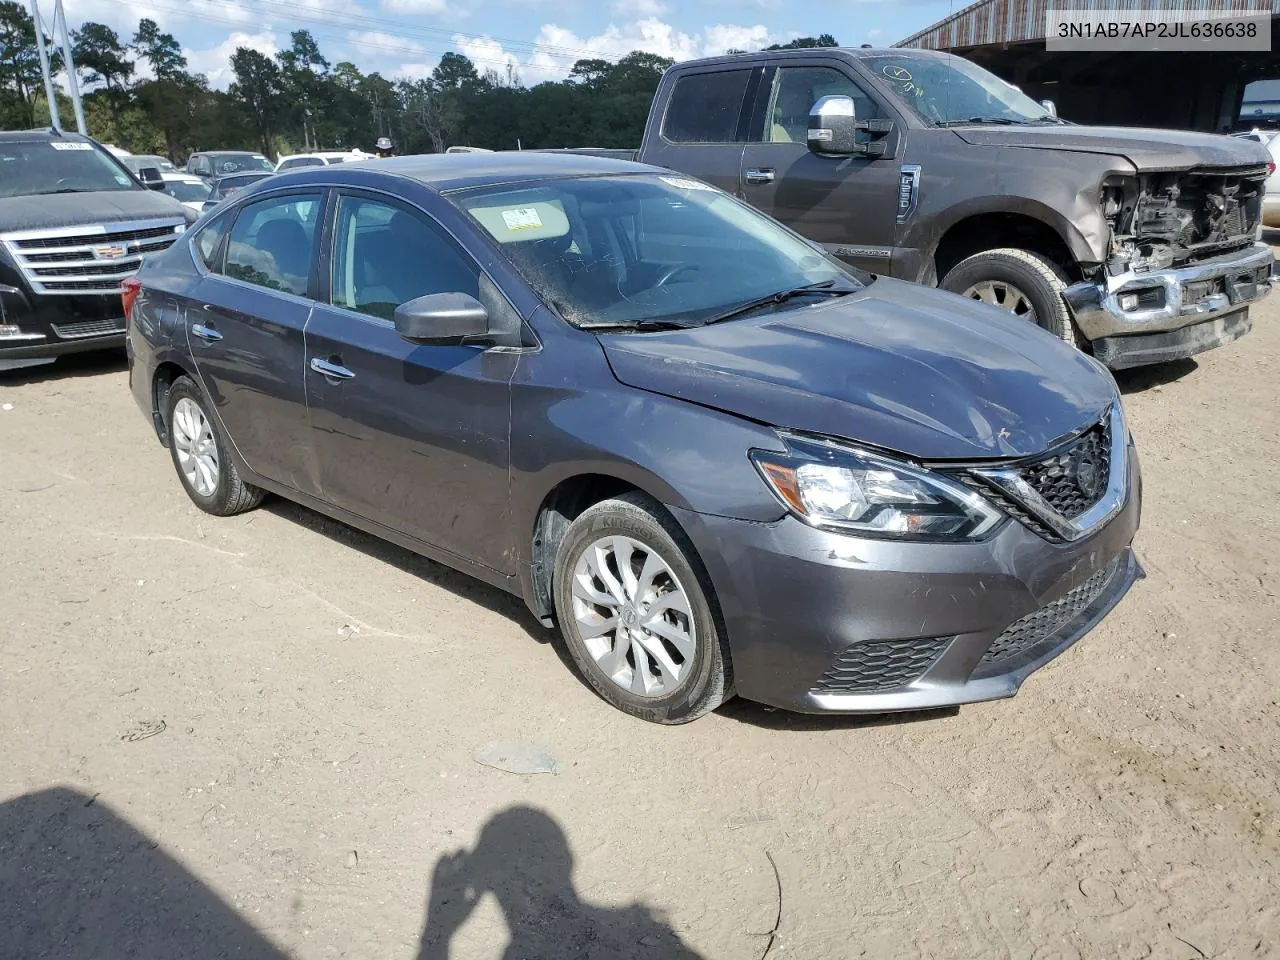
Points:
[(1019, 21)]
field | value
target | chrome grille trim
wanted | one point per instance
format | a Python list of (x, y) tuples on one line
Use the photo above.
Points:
[(48, 258)]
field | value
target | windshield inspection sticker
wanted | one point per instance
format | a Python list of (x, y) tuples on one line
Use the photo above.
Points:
[(523, 219), (685, 183), (72, 145)]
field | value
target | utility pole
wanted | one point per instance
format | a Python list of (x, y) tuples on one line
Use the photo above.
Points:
[(73, 82), (54, 120)]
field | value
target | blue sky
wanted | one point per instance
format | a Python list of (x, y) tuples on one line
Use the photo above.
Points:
[(540, 39)]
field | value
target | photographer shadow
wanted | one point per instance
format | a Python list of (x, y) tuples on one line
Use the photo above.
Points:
[(523, 859)]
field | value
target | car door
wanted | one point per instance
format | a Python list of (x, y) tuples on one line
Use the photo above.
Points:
[(245, 333), (413, 437), (702, 130), (848, 204)]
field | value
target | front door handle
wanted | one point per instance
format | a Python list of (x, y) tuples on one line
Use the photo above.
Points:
[(760, 175), (205, 333), (334, 370)]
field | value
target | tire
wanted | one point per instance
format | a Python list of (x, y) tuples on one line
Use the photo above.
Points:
[(197, 447), (688, 663), (1023, 282)]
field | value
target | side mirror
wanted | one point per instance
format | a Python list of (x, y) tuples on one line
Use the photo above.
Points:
[(834, 128), (151, 178), (1050, 107), (442, 318)]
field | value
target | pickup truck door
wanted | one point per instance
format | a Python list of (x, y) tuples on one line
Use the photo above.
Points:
[(704, 126), (848, 204)]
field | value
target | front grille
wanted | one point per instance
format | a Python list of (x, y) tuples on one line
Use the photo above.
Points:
[(1009, 506), (881, 665), (88, 328), (1042, 625), (87, 260), (1075, 477)]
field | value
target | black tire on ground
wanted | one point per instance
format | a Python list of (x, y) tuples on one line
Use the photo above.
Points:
[(1010, 272), (230, 495), (708, 680)]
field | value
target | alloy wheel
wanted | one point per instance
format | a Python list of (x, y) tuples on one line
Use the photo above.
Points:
[(1000, 293), (633, 616), (195, 446)]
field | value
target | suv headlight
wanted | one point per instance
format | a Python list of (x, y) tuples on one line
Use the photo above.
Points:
[(840, 487)]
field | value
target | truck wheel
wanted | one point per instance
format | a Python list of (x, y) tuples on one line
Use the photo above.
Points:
[(1022, 282), (637, 612)]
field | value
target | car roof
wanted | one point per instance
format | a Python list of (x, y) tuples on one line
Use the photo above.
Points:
[(457, 171), (230, 153), (27, 136)]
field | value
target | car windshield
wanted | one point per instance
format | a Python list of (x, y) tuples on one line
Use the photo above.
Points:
[(643, 250), (229, 185), (53, 166), (951, 91), (224, 163), (188, 191), (141, 161)]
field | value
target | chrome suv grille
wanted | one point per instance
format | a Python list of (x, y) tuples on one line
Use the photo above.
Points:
[(1036, 628), (1067, 492), (881, 665), (1074, 478), (87, 260)]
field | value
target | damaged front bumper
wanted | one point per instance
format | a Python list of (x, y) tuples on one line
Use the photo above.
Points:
[(1138, 318)]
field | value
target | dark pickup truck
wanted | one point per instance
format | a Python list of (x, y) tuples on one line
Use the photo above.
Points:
[(1138, 245), (74, 222)]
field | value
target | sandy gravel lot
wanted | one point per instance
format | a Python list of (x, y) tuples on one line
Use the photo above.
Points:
[(254, 738)]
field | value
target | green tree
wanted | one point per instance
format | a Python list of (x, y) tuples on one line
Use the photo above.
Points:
[(257, 88), (104, 60), (161, 50), (806, 43)]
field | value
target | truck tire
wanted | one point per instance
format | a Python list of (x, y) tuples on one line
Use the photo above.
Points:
[(1020, 281)]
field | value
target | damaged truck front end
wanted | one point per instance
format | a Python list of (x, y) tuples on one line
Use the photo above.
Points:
[(1184, 264)]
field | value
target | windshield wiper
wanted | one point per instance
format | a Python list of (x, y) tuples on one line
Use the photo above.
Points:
[(641, 325), (45, 193), (820, 289), (1003, 121)]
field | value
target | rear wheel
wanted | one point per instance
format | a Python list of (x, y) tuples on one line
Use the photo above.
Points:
[(200, 455), (634, 606), (1024, 283)]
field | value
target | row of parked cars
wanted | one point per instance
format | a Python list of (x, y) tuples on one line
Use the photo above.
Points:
[(689, 409)]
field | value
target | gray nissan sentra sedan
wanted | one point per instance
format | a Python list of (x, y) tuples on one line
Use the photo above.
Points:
[(719, 460)]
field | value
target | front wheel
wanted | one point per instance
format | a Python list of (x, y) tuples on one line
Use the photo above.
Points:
[(1024, 283), (634, 606)]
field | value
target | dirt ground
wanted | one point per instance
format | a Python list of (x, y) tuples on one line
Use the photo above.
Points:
[(254, 738)]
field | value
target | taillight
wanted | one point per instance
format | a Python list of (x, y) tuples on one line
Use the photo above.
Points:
[(130, 287), (1271, 167)]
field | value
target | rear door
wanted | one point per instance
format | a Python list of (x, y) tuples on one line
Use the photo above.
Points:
[(245, 334), (703, 128), (849, 204), (413, 437)]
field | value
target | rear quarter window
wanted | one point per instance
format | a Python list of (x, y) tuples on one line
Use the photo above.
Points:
[(706, 107)]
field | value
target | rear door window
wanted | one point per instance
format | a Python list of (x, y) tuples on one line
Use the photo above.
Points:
[(706, 107), (272, 243)]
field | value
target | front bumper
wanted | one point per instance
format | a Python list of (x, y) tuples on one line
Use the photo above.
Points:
[(1169, 300), (821, 622), (48, 327)]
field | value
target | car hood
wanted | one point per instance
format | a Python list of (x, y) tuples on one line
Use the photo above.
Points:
[(1145, 148), (75, 209), (897, 366)]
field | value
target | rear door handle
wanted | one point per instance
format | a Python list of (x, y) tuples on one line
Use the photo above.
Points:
[(205, 333), (760, 175), (334, 370)]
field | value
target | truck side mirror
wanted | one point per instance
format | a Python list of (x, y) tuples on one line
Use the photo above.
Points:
[(1050, 107), (834, 128)]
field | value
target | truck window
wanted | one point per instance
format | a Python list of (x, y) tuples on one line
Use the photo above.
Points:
[(705, 107), (797, 89), (33, 167)]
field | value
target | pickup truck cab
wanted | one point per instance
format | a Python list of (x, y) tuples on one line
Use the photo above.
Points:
[(1138, 245), (74, 222)]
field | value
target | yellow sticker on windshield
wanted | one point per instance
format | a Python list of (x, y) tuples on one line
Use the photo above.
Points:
[(525, 218)]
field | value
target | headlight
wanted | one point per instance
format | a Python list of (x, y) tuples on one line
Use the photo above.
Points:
[(831, 485)]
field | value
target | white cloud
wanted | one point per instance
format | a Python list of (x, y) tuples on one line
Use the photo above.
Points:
[(557, 48), (639, 8), (875, 34), (415, 6), (215, 62)]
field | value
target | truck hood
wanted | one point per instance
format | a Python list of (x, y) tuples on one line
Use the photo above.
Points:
[(1147, 149), (75, 209), (897, 366)]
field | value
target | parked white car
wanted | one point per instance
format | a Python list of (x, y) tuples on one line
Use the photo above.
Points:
[(188, 190), (324, 158)]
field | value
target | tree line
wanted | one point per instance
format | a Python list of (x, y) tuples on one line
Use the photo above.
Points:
[(297, 100)]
